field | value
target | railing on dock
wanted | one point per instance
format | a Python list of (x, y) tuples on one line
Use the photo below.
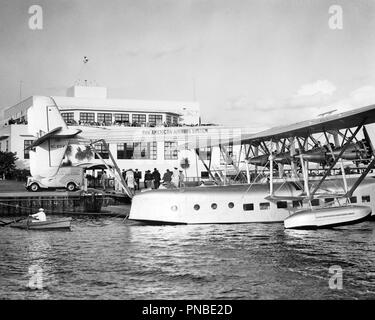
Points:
[(53, 204)]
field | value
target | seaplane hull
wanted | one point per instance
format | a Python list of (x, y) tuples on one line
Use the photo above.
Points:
[(327, 217), (203, 205), (229, 204)]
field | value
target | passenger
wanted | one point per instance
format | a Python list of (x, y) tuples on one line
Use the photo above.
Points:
[(137, 177), (104, 179), (148, 179), (130, 180), (181, 179), (39, 216), (175, 178), (156, 177), (167, 177)]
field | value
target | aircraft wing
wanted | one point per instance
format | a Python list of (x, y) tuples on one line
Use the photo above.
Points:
[(348, 119)]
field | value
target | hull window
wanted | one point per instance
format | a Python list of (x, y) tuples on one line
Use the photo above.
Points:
[(231, 205), (353, 199), (197, 207), (297, 203), (327, 200), (214, 206), (248, 206), (315, 202), (365, 198), (264, 206), (282, 204)]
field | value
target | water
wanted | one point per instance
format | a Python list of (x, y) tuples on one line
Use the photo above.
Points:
[(104, 258)]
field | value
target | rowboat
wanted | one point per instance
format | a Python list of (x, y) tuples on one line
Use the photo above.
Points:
[(54, 224)]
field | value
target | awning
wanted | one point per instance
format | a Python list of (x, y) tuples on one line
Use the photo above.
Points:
[(4, 137)]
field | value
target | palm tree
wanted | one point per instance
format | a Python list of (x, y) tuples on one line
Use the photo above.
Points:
[(84, 154)]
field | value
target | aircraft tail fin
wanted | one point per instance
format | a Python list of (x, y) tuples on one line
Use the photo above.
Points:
[(44, 116)]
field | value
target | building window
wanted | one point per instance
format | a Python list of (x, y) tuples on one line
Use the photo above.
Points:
[(87, 117), (155, 118), (68, 117), (139, 118), (175, 120), (205, 175), (248, 206), (365, 198), (264, 206), (105, 118), (102, 150), (137, 150), (142, 150), (121, 117), (205, 153), (26, 151), (124, 151), (282, 204), (168, 119), (170, 150)]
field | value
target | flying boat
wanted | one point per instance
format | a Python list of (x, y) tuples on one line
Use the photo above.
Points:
[(284, 190)]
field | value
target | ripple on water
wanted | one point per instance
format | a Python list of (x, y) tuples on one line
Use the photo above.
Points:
[(104, 258)]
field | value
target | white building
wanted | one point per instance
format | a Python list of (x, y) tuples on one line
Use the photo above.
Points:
[(89, 106)]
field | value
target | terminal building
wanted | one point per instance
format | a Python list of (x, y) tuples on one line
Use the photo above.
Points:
[(89, 106)]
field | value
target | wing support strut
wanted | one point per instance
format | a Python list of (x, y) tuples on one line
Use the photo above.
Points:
[(121, 179), (335, 160)]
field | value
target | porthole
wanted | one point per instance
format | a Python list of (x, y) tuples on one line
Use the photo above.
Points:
[(231, 205), (197, 207), (214, 206), (174, 208)]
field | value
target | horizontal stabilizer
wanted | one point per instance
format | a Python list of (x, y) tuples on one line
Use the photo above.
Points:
[(44, 137)]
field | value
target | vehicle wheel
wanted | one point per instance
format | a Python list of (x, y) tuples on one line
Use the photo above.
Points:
[(71, 186), (34, 187)]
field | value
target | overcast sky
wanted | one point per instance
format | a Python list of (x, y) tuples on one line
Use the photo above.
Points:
[(259, 63)]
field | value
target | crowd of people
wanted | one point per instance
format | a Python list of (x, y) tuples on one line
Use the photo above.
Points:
[(153, 180), (132, 124)]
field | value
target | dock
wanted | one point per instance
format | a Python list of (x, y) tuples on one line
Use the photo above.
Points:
[(91, 202)]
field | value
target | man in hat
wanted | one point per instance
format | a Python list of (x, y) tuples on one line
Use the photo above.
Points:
[(175, 178), (156, 176), (148, 179), (181, 178), (129, 179), (137, 177), (39, 216), (104, 178)]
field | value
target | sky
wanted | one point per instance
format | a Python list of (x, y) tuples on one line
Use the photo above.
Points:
[(256, 63)]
